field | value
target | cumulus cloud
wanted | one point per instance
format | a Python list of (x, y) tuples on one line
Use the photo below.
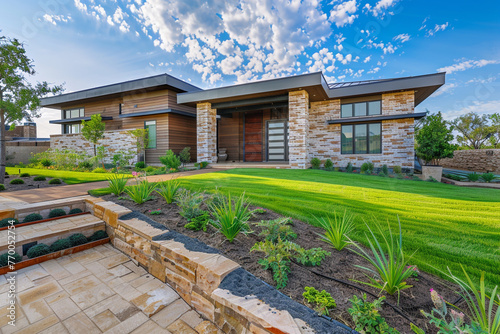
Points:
[(380, 7), (54, 19), (343, 13), (467, 64)]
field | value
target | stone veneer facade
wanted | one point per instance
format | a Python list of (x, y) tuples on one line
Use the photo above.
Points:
[(484, 160), (298, 122), (116, 140), (206, 124)]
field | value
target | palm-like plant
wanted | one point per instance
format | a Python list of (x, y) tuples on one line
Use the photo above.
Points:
[(117, 184), (390, 266), (336, 230), (231, 219), (168, 190), (141, 192)]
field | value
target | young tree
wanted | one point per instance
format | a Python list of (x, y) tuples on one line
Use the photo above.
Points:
[(19, 99), (433, 139), (93, 130), (495, 130), (142, 140), (474, 130), (185, 156)]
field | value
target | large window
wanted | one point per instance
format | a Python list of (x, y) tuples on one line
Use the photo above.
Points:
[(151, 127), (72, 128), (362, 139), (74, 113), (361, 109)]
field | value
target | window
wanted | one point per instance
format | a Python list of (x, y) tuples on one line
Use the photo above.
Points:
[(361, 139), (151, 127), (72, 128), (74, 113), (361, 109)]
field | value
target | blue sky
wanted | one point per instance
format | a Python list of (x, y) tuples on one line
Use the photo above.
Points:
[(87, 43)]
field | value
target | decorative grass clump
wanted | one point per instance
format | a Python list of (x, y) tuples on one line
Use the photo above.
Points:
[(74, 211), (25, 175), (77, 239), (98, 235), (39, 178), (60, 245), (38, 250), (4, 259), (57, 213), (55, 181), (5, 222), (32, 217), (16, 181)]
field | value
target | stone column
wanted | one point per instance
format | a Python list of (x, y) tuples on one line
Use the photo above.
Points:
[(206, 129), (298, 119)]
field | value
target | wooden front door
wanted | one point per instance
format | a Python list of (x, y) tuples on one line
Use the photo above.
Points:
[(253, 136)]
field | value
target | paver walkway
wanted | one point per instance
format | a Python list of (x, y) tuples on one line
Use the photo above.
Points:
[(73, 190), (95, 291)]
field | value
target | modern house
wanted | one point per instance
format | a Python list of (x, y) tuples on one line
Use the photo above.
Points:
[(288, 120)]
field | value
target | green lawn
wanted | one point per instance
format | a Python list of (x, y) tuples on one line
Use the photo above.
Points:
[(446, 225), (66, 176)]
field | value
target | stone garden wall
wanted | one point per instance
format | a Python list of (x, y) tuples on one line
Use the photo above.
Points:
[(484, 160)]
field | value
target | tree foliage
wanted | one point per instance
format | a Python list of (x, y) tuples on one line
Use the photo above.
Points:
[(93, 130), (474, 130), (19, 99), (433, 139), (142, 140)]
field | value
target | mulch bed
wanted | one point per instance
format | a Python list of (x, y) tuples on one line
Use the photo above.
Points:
[(28, 183), (341, 265)]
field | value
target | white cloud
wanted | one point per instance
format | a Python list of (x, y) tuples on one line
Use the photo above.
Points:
[(367, 59), (467, 64), (447, 88), (343, 13), (402, 37), (437, 27), (81, 6), (477, 106), (380, 7), (53, 19), (374, 70)]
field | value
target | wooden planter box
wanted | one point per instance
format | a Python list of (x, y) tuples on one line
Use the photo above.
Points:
[(44, 220), (54, 255)]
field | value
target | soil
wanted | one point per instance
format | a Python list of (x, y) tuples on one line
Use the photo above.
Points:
[(340, 265), (28, 183)]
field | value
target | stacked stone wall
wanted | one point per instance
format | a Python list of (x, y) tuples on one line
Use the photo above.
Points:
[(485, 160)]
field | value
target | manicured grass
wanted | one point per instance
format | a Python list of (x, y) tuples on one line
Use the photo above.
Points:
[(66, 176), (446, 225)]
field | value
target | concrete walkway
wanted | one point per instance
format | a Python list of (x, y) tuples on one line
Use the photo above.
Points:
[(74, 190)]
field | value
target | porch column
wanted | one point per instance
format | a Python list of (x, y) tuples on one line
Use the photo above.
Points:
[(298, 120), (206, 129)]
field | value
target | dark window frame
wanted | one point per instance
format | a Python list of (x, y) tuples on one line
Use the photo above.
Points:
[(354, 138), (156, 134), (353, 108), (81, 112)]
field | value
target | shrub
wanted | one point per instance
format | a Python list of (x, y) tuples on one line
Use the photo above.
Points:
[(39, 178), (328, 164), (231, 219), (6, 174), (385, 170), (397, 169), (55, 181), (453, 177), (24, 175), (74, 211), (140, 192), (140, 164), (32, 217), (190, 202), (473, 177), (349, 168), (99, 170), (315, 163), (488, 177), (431, 179), (6, 222), (168, 190), (367, 168), (391, 266), (77, 239), (16, 181), (38, 250), (277, 229), (98, 235), (117, 183), (311, 257), (367, 318), (170, 160), (2, 187), (149, 169), (416, 178), (46, 162), (382, 174), (199, 223), (203, 164), (185, 155), (86, 164), (60, 245), (321, 301), (56, 213), (337, 230), (14, 258)]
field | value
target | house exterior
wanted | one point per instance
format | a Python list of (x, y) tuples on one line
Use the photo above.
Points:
[(287, 120)]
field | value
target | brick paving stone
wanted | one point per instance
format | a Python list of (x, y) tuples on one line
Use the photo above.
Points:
[(37, 311), (81, 324), (64, 308), (171, 313), (180, 327), (150, 327)]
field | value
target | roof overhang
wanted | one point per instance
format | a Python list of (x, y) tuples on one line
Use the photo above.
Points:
[(156, 112), (367, 119), (77, 120), (162, 81)]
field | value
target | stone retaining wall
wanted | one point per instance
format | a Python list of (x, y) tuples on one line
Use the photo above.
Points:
[(22, 151), (484, 160)]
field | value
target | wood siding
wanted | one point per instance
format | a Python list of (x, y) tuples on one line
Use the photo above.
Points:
[(229, 136), (105, 108), (182, 133), (150, 101)]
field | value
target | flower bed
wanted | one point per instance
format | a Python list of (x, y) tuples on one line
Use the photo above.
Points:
[(29, 182)]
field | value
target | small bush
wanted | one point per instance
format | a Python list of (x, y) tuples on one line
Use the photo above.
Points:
[(349, 168), (77, 239), (328, 164), (231, 218), (277, 229), (189, 203), (99, 170), (141, 192), (24, 175), (416, 178), (400, 176), (55, 181), (168, 190), (149, 169), (385, 170), (2, 187), (381, 174), (203, 164), (170, 160), (60, 245), (367, 168), (431, 179), (6, 222), (199, 223), (46, 162), (6, 174), (14, 258), (473, 177), (367, 318), (488, 177), (321, 301), (311, 257), (453, 177), (39, 178), (98, 235), (32, 217), (38, 250), (277, 259), (85, 164), (117, 183), (185, 155), (74, 211), (140, 164), (397, 169), (16, 181), (56, 213), (315, 163)]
